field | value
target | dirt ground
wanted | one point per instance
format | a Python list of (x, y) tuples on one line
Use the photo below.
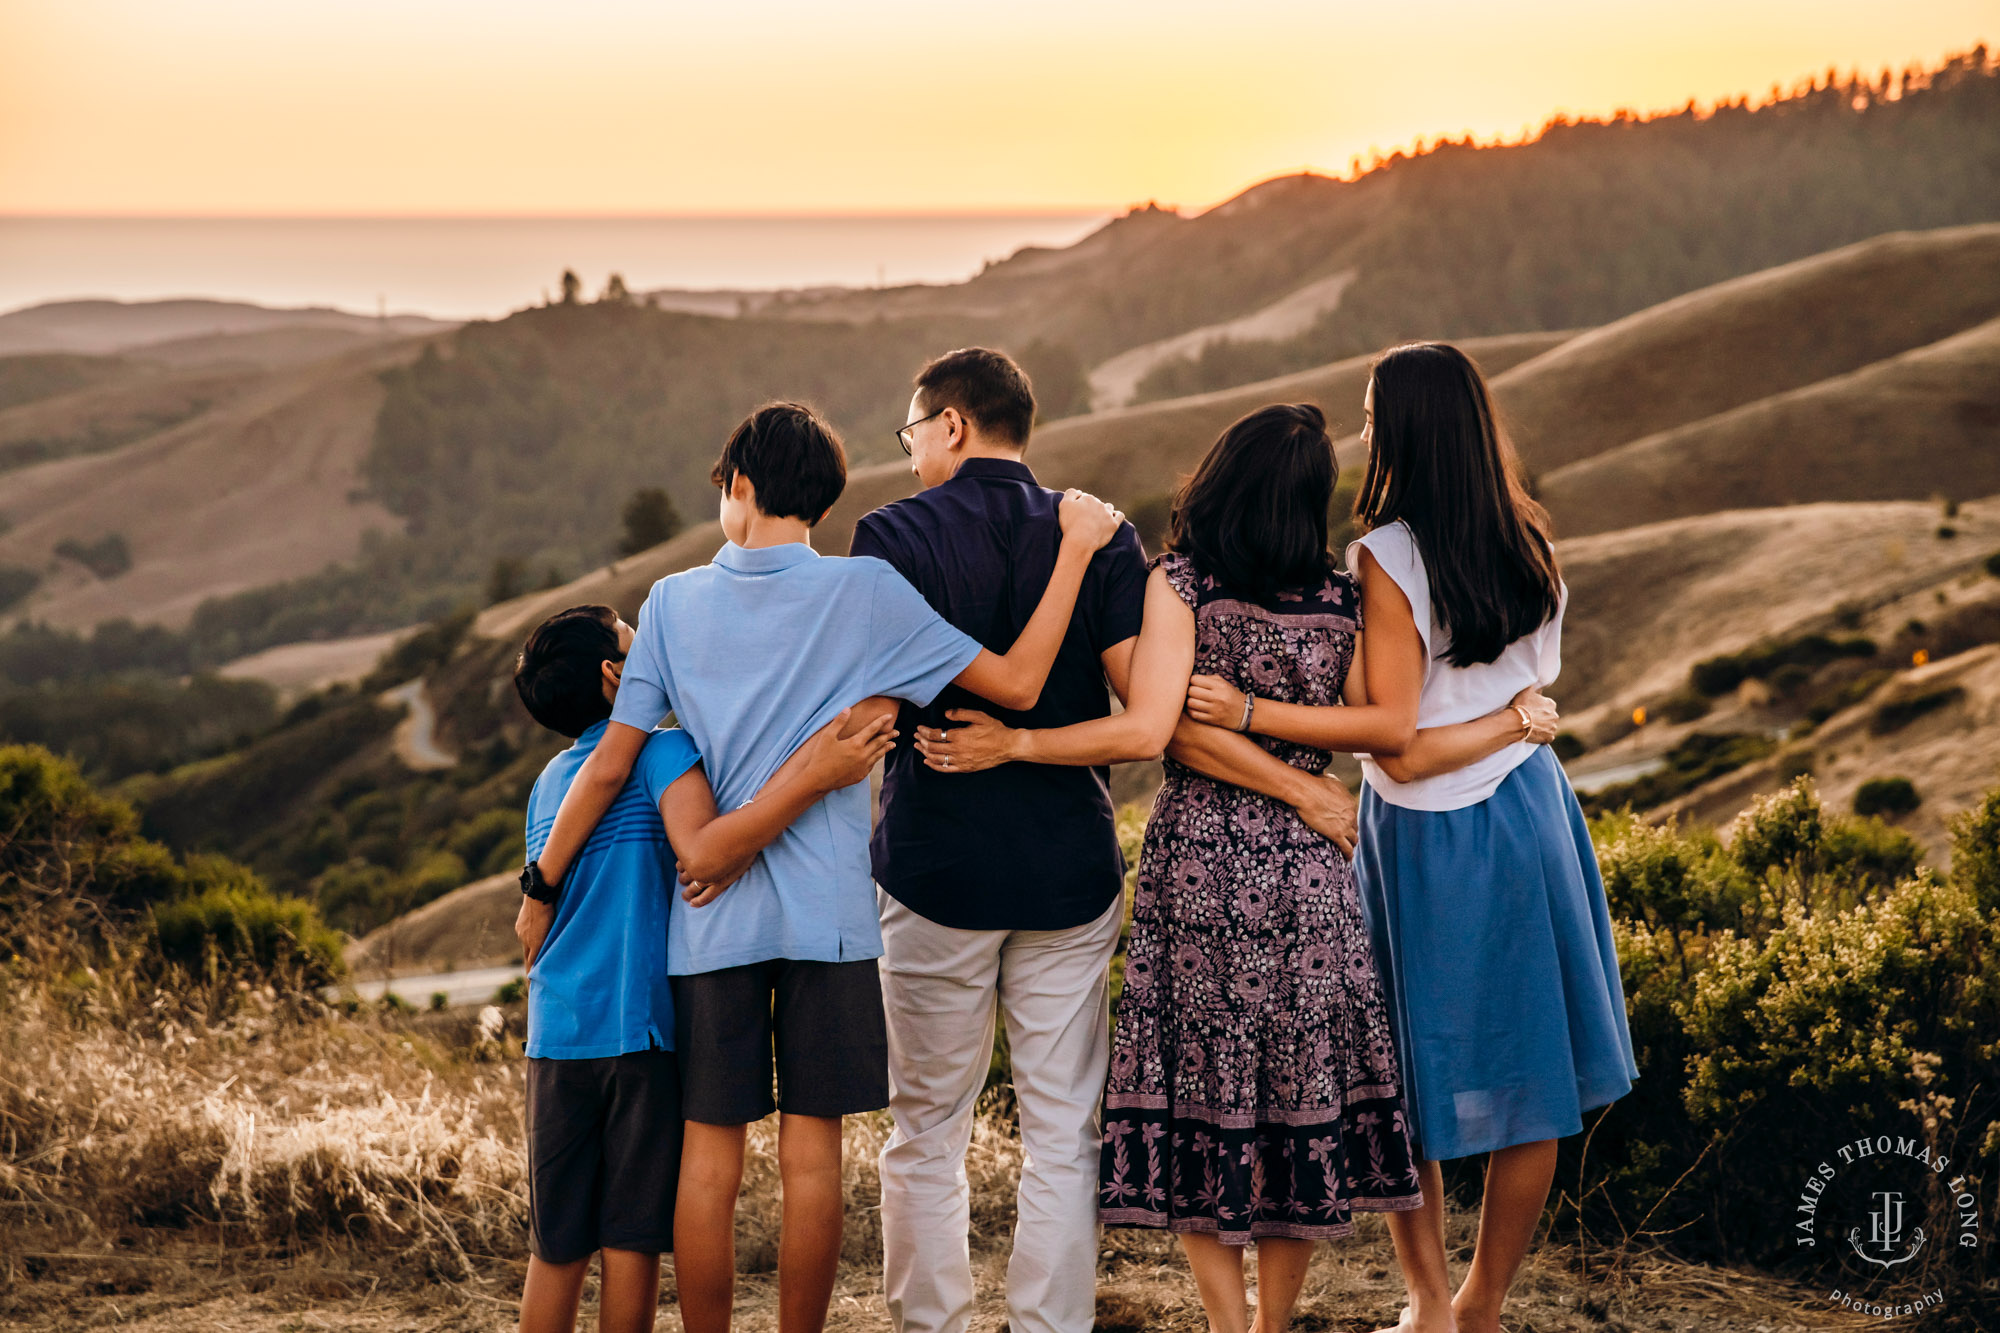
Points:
[(1353, 1288)]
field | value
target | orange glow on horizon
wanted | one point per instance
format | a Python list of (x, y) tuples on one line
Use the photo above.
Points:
[(449, 108)]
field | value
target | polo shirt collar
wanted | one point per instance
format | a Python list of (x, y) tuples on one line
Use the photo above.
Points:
[(1006, 469), (764, 559), (592, 734)]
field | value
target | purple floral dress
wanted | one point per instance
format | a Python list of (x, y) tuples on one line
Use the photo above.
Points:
[(1254, 1087)]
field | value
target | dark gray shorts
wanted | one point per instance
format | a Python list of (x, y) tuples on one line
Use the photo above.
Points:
[(818, 1026), (604, 1154)]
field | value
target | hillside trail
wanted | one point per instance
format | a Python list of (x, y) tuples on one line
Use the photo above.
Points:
[(416, 735)]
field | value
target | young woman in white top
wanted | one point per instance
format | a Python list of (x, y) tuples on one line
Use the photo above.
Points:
[(1475, 868)]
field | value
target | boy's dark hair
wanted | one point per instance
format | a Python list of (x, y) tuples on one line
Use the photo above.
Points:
[(986, 387), (1253, 514), (793, 458), (559, 673)]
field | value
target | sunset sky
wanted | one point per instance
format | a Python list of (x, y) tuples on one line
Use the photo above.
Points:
[(463, 107)]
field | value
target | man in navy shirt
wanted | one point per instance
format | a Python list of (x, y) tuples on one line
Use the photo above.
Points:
[(1000, 890)]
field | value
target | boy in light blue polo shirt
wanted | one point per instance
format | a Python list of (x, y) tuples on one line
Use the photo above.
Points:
[(752, 653), (604, 1118)]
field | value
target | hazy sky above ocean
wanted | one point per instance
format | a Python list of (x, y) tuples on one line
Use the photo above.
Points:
[(488, 266)]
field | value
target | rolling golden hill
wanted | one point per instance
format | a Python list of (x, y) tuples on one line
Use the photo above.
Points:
[(1923, 423), (260, 482), (1750, 338)]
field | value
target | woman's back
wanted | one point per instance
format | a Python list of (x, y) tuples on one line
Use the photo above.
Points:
[(1453, 694), (1294, 647)]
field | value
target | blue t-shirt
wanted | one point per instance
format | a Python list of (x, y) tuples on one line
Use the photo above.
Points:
[(599, 985), (753, 654)]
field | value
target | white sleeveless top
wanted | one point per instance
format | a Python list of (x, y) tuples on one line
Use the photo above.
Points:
[(1457, 694)]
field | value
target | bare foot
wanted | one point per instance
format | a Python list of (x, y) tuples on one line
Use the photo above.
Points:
[(1475, 1321)]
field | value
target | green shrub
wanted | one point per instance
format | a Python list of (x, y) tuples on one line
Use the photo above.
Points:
[(1802, 978), (1718, 675), (1899, 713), (490, 842), (231, 924), (1840, 690), (420, 654), (1975, 852), (1886, 796), (439, 1002), (1992, 564), (1780, 832), (1698, 758), (16, 583), (1568, 745), (1684, 705), (1671, 879), (1867, 854), (650, 518), (107, 557), (511, 992)]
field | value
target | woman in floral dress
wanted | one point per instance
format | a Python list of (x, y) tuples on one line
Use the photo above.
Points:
[(1254, 1092)]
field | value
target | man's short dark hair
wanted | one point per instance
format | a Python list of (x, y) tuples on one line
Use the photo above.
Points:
[(559, 673), (793, 458), (986, 387)]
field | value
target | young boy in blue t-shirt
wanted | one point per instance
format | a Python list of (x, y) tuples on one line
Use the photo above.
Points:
[(777, 976), (604, 1086)]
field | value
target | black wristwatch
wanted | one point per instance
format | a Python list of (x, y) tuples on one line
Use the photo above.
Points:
[(534, 886)]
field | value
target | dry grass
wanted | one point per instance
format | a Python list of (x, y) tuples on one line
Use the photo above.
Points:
[(230, 1162)]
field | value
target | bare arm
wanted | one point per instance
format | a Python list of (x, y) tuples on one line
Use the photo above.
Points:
[(1152, 722), (1436, 750), (1384, 725), (1160, 662), (713, 850), (1014, 679), (1323, 802), (596, 786)]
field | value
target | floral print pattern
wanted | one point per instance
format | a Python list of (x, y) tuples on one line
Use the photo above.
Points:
[(1254, 1088)]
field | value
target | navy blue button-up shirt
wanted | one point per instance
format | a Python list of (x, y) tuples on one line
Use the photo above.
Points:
[(1020, 846)]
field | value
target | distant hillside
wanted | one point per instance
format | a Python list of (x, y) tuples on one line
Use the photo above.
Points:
[(1588, 223), (229, 481), (1921, 424), (117, 326), (1750, 338)]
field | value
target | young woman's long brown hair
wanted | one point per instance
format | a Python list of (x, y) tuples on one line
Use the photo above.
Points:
[(1441, 464)]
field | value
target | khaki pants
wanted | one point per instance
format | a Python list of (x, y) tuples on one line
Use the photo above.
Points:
[(942, 989)]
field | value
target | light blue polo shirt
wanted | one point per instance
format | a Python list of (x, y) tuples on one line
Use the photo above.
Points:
[(752, 654), (599, 985)]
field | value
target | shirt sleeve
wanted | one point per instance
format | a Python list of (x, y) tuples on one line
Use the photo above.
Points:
[(1395, 550), (1117, 596), (913, 652), (642, 686), (536, 838), (1548, 651), (668, 755), (870, 538)]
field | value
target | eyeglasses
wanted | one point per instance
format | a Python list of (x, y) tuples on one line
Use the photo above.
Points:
[(903, 432)]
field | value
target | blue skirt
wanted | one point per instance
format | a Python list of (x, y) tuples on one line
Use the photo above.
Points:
[(1494, 942)]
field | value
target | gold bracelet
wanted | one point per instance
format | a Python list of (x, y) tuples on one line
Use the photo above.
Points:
[(1249, 701), (1527, 727)]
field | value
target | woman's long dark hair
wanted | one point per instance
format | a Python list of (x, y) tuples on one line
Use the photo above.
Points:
[(1441, 464), (1253, 515)]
